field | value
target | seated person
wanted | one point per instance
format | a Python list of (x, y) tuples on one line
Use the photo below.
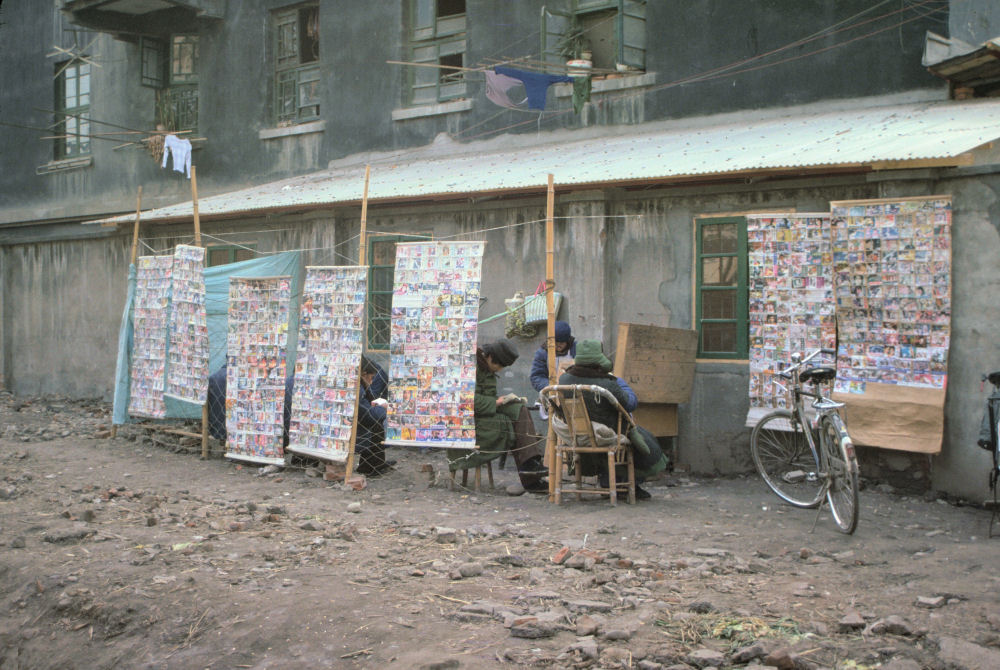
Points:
[(591, 366), (565, 353), (502, 425), (368, 442)]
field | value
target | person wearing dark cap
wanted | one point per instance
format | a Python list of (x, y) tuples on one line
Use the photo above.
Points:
[(565, 353), (368, 443), (591, 366), (502, 425)]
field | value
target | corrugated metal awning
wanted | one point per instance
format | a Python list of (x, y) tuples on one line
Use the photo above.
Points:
[(898, 136)]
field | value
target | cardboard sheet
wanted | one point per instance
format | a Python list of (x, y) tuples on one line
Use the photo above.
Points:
[(890, 416), (657, 362)]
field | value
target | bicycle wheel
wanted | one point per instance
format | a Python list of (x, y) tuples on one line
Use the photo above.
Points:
[(783, 458), (842, 472)]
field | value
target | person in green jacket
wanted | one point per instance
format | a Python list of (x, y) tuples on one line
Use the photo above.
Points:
[(503, 424), (592, 367)]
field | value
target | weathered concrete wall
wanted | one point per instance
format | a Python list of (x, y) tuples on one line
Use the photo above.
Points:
[(619, 256), (962, 467)]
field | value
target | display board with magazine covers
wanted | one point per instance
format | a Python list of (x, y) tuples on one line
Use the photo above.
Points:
[(432, 346), (149, 350), (187, 374), (255, 373), (331, 338)]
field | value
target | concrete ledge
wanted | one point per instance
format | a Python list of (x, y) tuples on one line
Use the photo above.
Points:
[(297, 129), (431, 110), (53, 167), (616, 83)]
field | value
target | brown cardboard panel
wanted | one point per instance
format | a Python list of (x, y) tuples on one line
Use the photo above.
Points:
[(904, 418), (660, 420), (658, 363)]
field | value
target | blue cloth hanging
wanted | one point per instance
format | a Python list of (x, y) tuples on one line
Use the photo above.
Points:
[(536, 84)]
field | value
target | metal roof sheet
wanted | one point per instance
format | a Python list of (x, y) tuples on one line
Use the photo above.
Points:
[(869, 137)]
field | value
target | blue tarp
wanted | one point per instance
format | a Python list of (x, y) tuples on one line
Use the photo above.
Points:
[(217, 311)]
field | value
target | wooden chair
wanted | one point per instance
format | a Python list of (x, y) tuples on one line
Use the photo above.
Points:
[(576, 434)]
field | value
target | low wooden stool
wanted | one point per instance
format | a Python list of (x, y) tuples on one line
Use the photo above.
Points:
[(479, 476)]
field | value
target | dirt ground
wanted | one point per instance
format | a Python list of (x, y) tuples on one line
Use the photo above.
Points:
[(133, 553)]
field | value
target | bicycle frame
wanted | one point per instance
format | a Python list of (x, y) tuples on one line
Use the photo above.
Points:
[(820, 403)]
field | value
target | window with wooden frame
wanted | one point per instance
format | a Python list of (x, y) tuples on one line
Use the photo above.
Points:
[(437, 38), (381, 278), (72, 97), (612, 31), (721, 287), (153, 62), (172, 67), (223, 255), (296, 64)]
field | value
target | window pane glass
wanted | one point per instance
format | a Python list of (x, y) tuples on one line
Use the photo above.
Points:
[(450, 7), (84, 87), (382, 279), (450, 25), (244, 254), (719, 239), (218, 257), (719, 271), (383, 253), (84, 136), (70, 100), (718, 304), (423, 19), (718, 337)]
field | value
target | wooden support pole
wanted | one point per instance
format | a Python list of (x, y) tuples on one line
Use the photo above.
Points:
[(197, 243), (204, 431), (194, 203), (363, 243), (362, 248), (550, 339), (135, 230)]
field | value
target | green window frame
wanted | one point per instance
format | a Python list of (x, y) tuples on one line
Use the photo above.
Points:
[(721, 287), (381, 279), (72, 95), (153, 59), (614, 30), (226, 254), (437, 37), (296, 64)]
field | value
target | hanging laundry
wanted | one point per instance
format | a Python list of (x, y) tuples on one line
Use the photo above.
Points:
[(181, 151), (536, 84), (498, 88)]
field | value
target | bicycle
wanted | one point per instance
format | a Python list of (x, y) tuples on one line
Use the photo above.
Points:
[(804, 461)]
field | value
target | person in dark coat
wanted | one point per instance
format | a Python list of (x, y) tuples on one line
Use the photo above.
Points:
[(565, 353), (372, 403), (502, 425), (592, 367)]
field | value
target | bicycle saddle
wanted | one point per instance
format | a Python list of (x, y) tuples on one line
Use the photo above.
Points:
[(994, 378), (818, 374)]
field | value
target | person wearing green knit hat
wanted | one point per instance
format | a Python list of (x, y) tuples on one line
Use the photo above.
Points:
[(591, 366)]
